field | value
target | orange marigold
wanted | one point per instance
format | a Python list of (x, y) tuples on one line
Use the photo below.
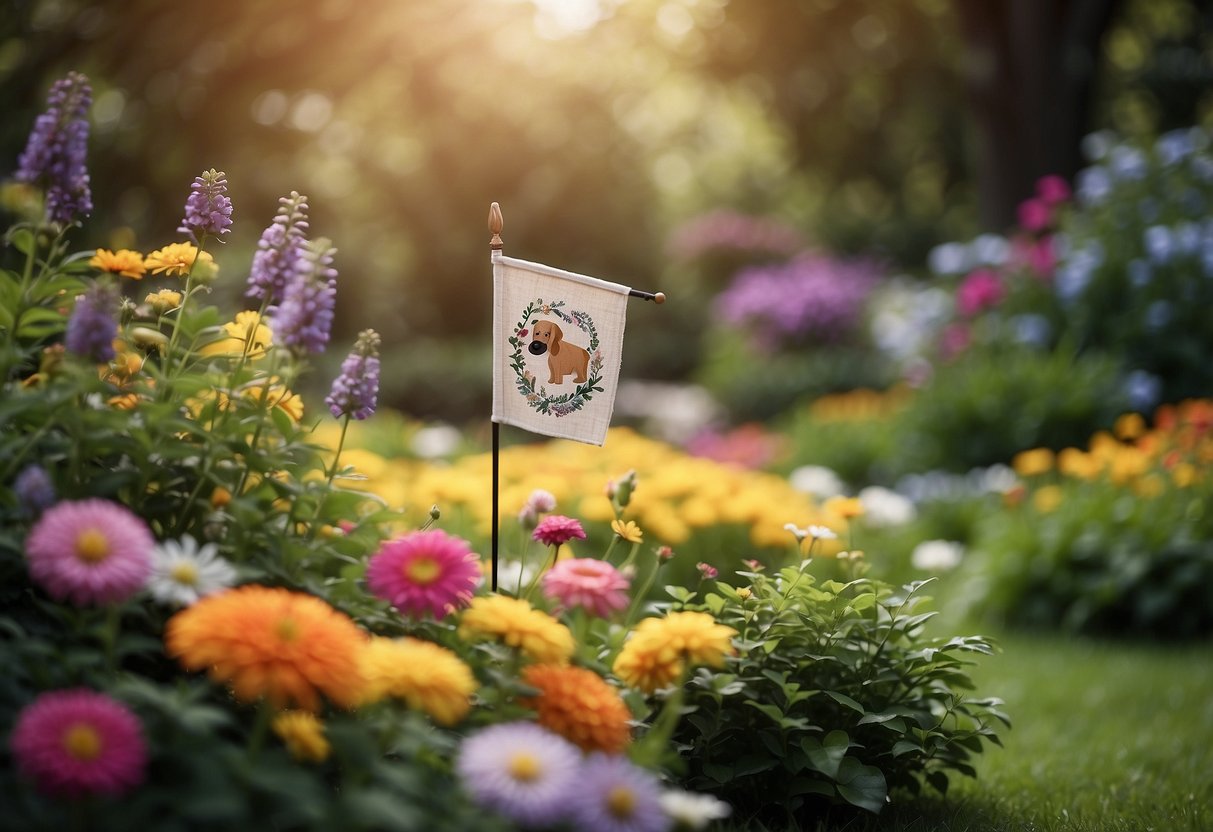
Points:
[(516, 623), (269, 642), (579, 705), (659, 649), (428, 677)]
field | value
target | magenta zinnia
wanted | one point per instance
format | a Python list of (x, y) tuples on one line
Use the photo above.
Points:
[(558, 529), (89, 552), (594, 585), (77, 742), (424, 572)]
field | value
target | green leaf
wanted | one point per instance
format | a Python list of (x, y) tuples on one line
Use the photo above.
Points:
[(862, 786), (843, 699), (826, 755)]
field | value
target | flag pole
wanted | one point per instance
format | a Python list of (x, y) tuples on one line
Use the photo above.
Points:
[(496, 223)]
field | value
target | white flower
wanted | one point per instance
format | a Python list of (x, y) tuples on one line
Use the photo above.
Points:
[(693, 811), (937, 555), (799, 533), (816, 480), (821, 533), (182, 572), (885, 507)]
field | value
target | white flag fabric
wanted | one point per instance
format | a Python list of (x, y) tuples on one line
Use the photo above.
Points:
[(557, 347)]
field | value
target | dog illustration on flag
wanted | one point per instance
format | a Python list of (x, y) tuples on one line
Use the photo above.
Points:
[(563, 357)]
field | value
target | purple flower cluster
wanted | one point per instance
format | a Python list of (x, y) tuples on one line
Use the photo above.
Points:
[(34, 489), (56, 150), (92, 327), (280, 249), (731, 231), (356, 390), (208, 209), (304, 318), (813, 298)]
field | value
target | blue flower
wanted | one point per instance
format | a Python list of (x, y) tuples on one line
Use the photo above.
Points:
[(1140, 273), (1094, 185), (1032, 329), (34, 490), (1159, 244), (1173, 147), (1128, 163), (1142, 389)]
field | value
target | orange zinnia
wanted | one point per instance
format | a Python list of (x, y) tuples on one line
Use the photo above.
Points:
[(580, 706), (268, 642)]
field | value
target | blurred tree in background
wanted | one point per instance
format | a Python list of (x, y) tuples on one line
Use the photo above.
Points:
[(599, 125)]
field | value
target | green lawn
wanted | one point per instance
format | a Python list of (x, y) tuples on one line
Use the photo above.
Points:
[(1108, 738)]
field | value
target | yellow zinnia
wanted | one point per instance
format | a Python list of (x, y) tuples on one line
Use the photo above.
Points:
[(1033, 462), (124, 262), (176, 259), (271, 643), (426, 676), (247, 330), (163, 301), (516, 623), (303, 735), (660, 648)]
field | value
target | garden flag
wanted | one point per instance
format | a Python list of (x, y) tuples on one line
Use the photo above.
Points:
[(557, 346)]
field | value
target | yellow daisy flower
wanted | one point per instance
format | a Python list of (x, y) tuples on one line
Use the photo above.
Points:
[(247, 324), (628, 531), (163, 301), (516, 623), (124, 263), (303, 735), (175, 259), (426, 676), (659, 649)]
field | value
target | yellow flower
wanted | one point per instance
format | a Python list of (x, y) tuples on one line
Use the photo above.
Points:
[(303, 735), (1129, 426), (176, 259), (277, 395), (845, 507), (247, 325), (516, 623), (163, 301), (659, 649), (628, 531), (580, 706), (123, 262), (1033, 462), (427, 677), (1047, 499)]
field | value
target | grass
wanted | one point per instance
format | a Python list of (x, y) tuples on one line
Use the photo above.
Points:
[(1108, 737)]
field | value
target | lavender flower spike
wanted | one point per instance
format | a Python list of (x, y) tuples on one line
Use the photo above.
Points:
[(303, 319), (208, 209), (57, 148), (279, 250), (356, 391), (92, 327)]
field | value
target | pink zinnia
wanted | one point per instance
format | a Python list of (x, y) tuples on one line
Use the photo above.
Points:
[(77, 742), (90, 552), (1053, 189), (980, 290), (1035, 214), (557, 529), (594, 585), (424, 572)]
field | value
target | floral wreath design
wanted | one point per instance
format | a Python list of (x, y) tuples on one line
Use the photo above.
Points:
[(539, 398)]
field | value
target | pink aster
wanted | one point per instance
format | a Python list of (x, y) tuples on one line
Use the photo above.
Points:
[(90, 552), (979, 291), (557, 529), (78, 742), (594, 585), (424, 572)]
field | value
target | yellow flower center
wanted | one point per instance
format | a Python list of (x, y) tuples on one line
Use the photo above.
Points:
[(524, 767), (92, 546), (422, 571), (82, 742), (621, 802), (185, 573), (287, 630)]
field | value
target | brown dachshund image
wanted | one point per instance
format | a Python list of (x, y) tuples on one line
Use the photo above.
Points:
[(562, 358)]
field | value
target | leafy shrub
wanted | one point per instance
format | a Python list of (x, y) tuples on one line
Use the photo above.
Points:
[(836, 697), (1115, 539)]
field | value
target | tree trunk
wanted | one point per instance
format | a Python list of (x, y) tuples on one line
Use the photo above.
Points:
[(1030, 69)]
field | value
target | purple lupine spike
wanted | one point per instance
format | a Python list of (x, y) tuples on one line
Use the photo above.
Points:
[(355, 391), (279, 250), (93, 326), (208, 209), (302, 321), (57, 150)]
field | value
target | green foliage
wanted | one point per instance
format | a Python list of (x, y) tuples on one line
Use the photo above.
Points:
[(836, 696)]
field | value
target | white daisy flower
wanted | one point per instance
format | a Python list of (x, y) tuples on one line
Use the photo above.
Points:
[(693, 811), (183, 572), (821, 533)]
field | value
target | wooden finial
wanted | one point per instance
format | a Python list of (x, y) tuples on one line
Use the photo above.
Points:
[(659, 297), (496, 223)]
